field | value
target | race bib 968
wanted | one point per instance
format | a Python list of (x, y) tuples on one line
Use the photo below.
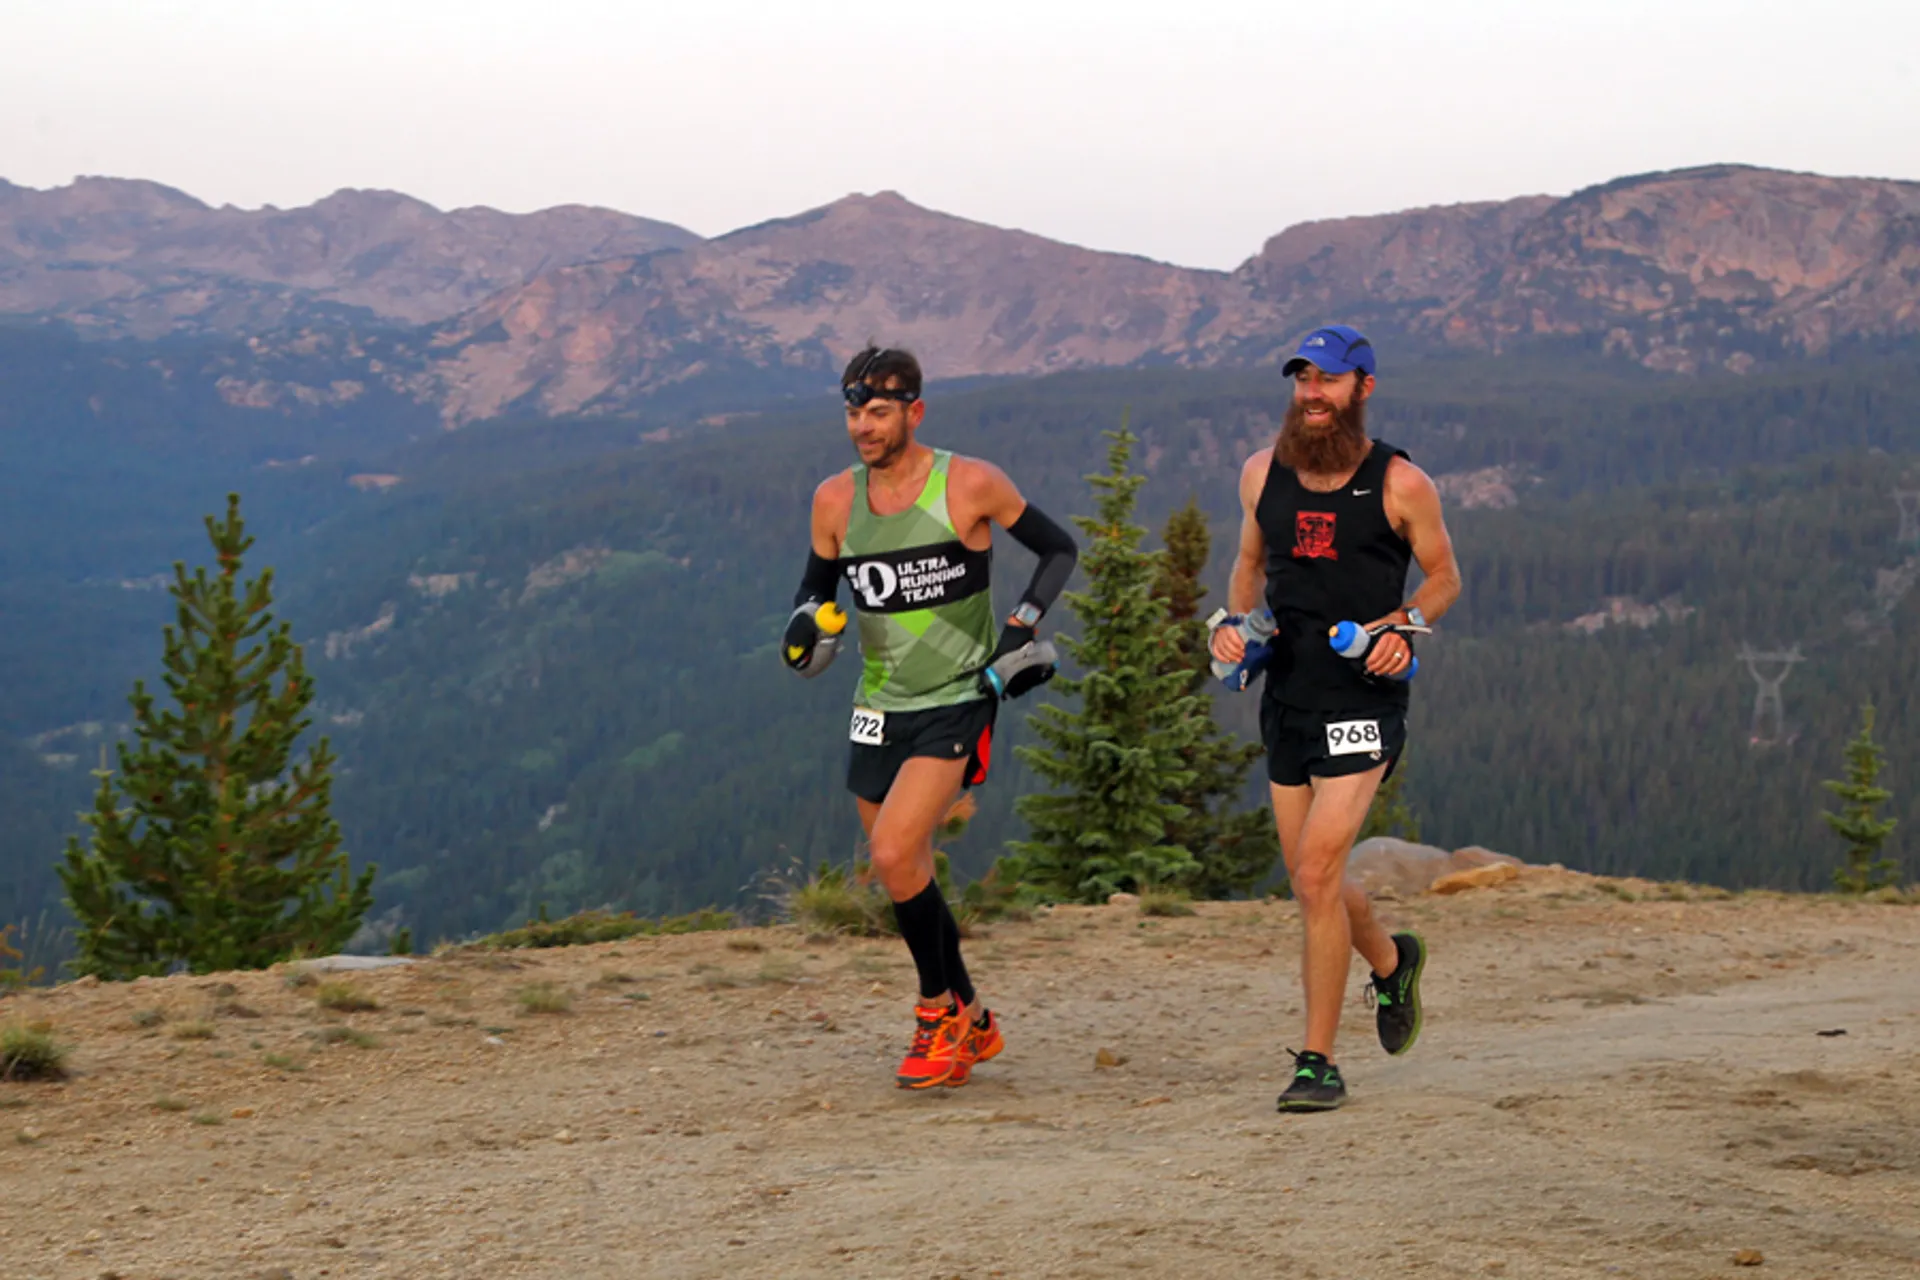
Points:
[(1353, 738)]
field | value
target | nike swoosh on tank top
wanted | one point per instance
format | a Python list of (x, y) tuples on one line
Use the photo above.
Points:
[(1331, 558)]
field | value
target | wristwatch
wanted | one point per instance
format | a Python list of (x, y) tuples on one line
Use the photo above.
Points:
[(1415, 617), (1027, 615)]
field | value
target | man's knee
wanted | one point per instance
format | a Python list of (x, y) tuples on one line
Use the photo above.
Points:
[(1319, 882), (894, 856)]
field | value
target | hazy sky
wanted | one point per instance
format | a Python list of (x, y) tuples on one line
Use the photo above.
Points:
[(1186, 131)]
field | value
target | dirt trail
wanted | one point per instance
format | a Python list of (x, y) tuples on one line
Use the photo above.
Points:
[(1603, 1088)]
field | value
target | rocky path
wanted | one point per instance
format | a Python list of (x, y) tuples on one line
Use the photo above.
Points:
[(1604, 1087)]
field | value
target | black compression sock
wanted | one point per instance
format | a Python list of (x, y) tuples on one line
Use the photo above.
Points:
[(919, 918), (956, 969)]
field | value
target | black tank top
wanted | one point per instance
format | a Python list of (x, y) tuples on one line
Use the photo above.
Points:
[(1331, 557)]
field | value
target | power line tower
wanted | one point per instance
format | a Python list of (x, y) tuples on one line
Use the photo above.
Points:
[(1908, 500), (1769, 712)]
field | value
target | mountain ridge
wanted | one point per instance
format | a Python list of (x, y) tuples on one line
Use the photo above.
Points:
[(133, 257), (580, 311)]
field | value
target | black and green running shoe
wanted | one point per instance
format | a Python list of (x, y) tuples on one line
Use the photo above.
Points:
[(1316, 1086), (1397, 997)]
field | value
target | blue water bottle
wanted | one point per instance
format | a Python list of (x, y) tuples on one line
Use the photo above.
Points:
[(1256, 629), (1351, 640)]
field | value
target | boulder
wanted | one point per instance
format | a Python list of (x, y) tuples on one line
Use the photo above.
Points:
[(1387, 864), (1473, 855), (350, 964)]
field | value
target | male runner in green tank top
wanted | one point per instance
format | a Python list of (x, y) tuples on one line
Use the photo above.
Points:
[(911, 530)]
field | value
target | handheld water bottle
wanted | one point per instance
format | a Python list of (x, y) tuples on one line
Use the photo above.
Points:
[(1256, 630), (1351, 640)]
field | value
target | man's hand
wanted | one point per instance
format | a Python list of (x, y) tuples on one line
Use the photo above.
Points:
[(1226, 643), (1390, 653), (812, 637), (1020, 663)]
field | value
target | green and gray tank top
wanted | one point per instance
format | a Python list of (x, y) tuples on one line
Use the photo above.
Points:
[(926, 616)]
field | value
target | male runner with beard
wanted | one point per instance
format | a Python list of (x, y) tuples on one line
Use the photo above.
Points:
[(1330, 519), (911, 529)]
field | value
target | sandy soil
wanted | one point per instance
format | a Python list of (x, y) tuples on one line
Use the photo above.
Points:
[(1603, 1088)]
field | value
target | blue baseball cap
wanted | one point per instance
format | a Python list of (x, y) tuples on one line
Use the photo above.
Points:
[(1335, 349)]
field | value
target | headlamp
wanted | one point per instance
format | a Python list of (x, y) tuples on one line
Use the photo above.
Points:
[(858, 394)]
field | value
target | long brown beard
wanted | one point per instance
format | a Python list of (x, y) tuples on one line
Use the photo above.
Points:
[(1330, 451)]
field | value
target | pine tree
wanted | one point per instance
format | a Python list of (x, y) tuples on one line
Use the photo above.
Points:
[(210, 848), (1857, 823), (1234, 849), (1116, 764)]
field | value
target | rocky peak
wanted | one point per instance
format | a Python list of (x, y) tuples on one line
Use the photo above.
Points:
[(126, 256), (807, 291)]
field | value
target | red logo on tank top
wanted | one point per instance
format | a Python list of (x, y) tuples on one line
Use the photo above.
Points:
[(1313, 536)]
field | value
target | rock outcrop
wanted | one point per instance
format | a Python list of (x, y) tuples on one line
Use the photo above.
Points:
[(1724, 265)]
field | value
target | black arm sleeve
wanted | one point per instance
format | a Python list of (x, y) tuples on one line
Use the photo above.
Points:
[(821, 580), (1057, 551)]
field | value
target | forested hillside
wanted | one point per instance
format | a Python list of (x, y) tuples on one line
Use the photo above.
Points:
[(546, 655)]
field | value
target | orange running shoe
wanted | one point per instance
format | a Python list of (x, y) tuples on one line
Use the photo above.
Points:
[(938, 1033), (977, 1044)]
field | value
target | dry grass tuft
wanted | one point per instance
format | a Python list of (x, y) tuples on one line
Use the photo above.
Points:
[(344, 997), (544, 997), (29, 1051), (1165, 902)]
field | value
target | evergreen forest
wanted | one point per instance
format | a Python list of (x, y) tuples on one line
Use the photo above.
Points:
[(544, 652)]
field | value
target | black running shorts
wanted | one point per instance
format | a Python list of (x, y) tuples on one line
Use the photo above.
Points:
[(962, 732), (1302, 745)]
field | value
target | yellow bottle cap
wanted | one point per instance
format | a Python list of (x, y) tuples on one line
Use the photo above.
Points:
[(830, 618)]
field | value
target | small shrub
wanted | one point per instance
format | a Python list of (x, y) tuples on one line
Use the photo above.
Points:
[(745, 944), (12, 976), (298, 978), (208, 1117), (147, 1019), (544, 997), (345, 1035), (344, 997), (615, 978), (282, 1062), (1165, 902), (193, 1031), (998, 895), (833, 900), (168, 1104), (28, 1051)]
